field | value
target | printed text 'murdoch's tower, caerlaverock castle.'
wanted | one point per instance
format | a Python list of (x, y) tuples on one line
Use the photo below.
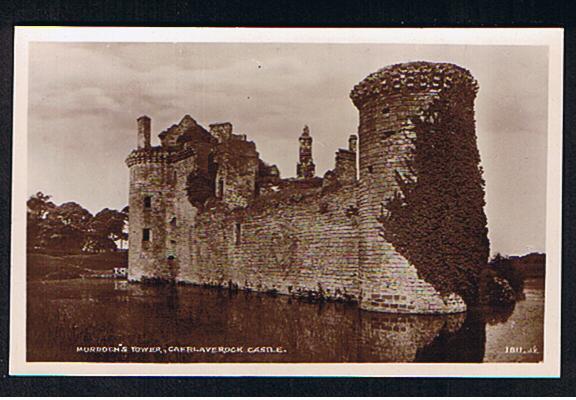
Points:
[(405, 233)]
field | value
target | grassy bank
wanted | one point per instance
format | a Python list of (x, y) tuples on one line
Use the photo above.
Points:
[(54, 267)]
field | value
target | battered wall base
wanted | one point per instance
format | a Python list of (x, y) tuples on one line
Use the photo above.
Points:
[(405, 293), (416, 297)]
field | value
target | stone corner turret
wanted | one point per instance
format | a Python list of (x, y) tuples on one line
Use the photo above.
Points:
[(305, 169)]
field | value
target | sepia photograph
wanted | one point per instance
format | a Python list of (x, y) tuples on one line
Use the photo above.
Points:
[(287, 201)]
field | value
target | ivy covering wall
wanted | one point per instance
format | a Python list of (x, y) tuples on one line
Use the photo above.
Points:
[(437, 220)]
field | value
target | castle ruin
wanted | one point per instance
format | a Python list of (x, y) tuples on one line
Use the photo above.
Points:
[(403, 232)]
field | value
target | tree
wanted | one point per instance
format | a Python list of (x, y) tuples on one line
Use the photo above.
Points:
[(55, 227), (505, 269), (106, 228), (70, 222), (39, 207), (72, 214), (70, 227)]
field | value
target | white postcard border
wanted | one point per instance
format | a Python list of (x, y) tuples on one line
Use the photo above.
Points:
[(550, 37)]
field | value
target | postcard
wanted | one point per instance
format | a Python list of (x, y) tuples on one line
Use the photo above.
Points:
[(287, 202)]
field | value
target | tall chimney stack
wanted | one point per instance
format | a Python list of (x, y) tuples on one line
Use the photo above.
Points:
[(305, 168), (143, 132), (353, 143)]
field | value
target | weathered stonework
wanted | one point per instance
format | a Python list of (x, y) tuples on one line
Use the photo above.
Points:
[(305, 168), (205, 209)]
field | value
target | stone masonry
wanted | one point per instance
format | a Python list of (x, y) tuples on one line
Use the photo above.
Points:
[(305, 168), (205, 209)]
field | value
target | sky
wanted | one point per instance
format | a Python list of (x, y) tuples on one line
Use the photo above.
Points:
[(84, 99)]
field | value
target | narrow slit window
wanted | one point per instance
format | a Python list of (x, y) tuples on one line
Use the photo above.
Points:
[(147, 201), (221, 188), (386, 110), (238, 234), (145, 235), (370, 169)]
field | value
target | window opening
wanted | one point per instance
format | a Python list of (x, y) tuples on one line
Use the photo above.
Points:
[(147, 201), (238, 233), (146, 235)]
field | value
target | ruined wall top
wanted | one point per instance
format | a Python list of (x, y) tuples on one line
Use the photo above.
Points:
[(412, 77), (157, 155), (221, 131)]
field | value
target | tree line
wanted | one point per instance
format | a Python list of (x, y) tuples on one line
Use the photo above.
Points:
[(70, 228)]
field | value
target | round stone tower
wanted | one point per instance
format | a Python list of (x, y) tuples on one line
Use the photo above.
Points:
[(400, 108), (151, 198)]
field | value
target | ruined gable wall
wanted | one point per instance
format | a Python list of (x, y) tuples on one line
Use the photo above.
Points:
[(304, 245), (238, 165), (180, 222)]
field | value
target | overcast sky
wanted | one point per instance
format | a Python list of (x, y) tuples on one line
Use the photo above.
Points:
[(84, 100)]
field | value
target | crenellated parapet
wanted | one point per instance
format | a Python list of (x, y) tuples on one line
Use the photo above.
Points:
[(157, 155), (413, 77)]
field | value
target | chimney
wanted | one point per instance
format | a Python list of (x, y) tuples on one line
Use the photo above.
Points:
[(353, 143), (143, 132), (305, 168)]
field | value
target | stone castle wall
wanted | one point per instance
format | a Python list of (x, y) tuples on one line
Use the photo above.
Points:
[(301, 242), (216, 220), (304, 244)]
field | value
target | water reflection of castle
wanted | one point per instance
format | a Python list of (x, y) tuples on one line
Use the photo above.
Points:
[(318, 332)]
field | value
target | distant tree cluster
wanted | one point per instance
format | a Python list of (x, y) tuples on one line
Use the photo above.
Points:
[(71, 228), (504, 268), (502, 282)]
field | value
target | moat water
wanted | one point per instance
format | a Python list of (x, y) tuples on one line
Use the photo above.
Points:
[(104, 320)]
